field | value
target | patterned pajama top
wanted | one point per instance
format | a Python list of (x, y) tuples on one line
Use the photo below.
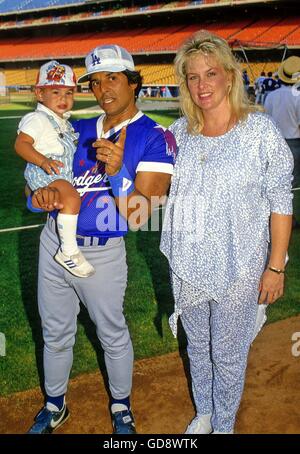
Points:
[(216, 226)]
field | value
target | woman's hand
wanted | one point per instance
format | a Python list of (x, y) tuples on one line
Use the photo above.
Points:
[(271, 287)]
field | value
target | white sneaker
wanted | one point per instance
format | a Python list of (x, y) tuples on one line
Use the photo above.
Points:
[(200, 425), (75, 264)]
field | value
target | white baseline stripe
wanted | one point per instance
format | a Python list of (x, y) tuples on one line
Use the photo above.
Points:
[(26, 227), (7, 118), (162, 167)]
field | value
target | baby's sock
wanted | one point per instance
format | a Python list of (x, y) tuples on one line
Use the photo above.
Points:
[(67, 226)]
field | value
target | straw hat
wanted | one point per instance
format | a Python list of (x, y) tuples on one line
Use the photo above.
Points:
[(289, 71)]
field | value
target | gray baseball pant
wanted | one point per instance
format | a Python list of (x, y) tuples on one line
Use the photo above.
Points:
[(59, 293)]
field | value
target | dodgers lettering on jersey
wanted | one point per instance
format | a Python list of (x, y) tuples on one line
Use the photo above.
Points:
[(148, 147)]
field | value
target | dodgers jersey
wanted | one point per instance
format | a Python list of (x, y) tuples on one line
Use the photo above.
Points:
[(148, 148)]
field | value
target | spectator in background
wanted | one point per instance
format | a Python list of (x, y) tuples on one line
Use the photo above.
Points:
[(258, 88), (163, 91), (277, 81), (283, 105), (268, 86), (246, 80), (168, 92)]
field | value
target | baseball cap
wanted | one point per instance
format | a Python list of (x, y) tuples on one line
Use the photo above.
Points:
[(55, 73), (289, 71), (110, 58)]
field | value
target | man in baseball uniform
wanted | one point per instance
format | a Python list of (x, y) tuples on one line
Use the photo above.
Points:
[(124, 160)]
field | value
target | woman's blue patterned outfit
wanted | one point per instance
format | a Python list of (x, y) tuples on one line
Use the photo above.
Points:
[(216, 236)]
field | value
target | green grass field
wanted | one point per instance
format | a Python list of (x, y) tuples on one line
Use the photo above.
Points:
[(148, 298)]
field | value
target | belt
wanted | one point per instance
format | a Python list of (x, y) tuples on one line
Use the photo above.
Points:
[(91, 241)]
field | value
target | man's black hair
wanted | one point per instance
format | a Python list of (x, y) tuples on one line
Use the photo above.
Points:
[(134, 77)]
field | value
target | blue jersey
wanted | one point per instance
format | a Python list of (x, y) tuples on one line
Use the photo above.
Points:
[(148, 147), (269, 85)]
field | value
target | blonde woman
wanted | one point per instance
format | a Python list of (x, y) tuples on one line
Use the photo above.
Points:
[(230, 196)]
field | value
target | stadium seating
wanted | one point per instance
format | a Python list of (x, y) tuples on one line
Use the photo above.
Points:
[(259, 27), (21, 5), (279, 32), (67, 42), (293, 39), (102, 13), (155, 74), (157, 39)]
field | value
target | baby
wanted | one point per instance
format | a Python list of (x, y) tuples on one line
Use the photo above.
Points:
[(47, 141)]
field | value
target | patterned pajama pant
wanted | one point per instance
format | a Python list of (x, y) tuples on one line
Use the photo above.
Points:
[(219, 337)]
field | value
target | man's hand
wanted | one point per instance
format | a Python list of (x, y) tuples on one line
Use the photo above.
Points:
[(47, 199), (111, 153), (271, 287)]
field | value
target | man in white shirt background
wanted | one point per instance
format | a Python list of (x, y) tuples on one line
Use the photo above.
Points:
[(283, 105), (258, 88)]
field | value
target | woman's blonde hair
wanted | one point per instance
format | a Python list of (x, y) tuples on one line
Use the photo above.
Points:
[(208, 44)]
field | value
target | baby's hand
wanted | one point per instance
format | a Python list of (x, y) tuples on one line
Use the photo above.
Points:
[(51, 166)]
